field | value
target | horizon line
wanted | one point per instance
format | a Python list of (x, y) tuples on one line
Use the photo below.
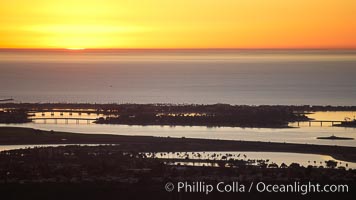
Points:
[(185, 49)]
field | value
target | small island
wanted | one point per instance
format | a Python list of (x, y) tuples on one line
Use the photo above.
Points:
[(333, 137), (212, 115)]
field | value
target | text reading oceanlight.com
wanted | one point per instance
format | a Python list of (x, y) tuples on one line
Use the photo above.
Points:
[(296, 187)]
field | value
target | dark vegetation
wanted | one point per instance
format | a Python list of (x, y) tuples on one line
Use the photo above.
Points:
[(75, 164), (205, 115), (351, 124), (171, 114), (121, 172), (182, 114), (14, 116), (106, 172)]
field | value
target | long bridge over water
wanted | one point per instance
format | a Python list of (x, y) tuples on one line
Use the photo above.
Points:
[(90, 120), (321, 122), (65, 119)]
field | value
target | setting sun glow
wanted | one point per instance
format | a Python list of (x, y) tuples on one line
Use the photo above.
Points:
[(178, 24), (76, 48)]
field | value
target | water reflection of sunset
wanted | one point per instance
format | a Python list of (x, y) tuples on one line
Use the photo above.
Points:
[(337, 116)]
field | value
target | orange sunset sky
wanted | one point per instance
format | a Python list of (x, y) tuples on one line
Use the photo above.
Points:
[(178, 24)]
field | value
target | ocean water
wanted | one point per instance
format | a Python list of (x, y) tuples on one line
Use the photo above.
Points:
[(180, 76)]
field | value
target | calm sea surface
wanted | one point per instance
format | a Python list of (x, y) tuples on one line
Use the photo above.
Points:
[(209, 76), (230, 76)]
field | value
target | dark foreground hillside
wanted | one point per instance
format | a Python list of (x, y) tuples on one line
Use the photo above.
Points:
[(106, 172)]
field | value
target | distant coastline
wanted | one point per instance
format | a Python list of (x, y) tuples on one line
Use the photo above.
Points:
[(21, 136), (210, 115), (213, 115)]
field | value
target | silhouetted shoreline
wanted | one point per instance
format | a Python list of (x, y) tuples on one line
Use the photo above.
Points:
[(209, 115), (350, 124), (17, 136), (110, 172), (123, 171), (113, 106)]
